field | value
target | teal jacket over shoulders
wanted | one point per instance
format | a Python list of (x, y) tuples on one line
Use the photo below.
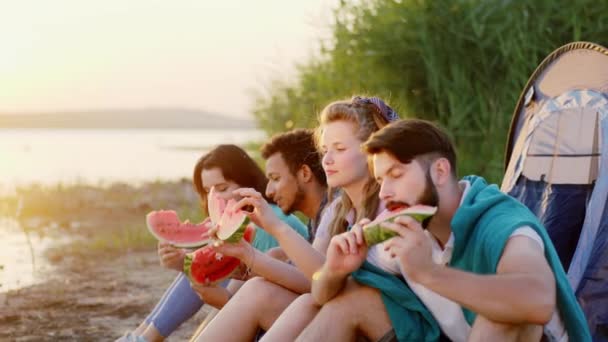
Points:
[(481, 226)]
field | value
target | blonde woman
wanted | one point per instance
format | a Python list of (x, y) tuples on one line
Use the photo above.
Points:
[(343, 127)]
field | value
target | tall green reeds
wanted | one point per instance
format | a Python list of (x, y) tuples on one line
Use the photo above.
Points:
[(461, 63)]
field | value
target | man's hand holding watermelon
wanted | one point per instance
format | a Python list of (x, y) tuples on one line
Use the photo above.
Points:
[(411, 247), (262, 214)]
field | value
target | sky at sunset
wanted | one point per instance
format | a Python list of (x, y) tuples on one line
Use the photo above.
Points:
[(199, 54)]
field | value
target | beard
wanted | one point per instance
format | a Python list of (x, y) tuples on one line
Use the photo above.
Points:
[(297, 201), (428, 197)]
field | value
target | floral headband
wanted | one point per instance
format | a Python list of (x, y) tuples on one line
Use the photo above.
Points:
[(382, 108)]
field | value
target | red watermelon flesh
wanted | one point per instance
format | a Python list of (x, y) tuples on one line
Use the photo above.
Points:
[(166, 227), (205, 266)]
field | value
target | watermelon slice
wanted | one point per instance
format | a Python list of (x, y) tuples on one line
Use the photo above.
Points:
[(207, 266), (374, 233), (233, 223), (166, 226), (215, 206)]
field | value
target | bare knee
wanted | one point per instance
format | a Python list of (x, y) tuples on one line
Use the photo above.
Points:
[(353, 291), (487, 330), (305, 306), (258, 288), (339, 305), (306, 300), (348, 303), (360, 310)]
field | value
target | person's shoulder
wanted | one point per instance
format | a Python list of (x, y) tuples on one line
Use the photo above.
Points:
[(290, 219), (277, 210), (331, 206), (285, 217)]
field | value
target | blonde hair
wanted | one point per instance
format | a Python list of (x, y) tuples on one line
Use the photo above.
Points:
[(368, 119)]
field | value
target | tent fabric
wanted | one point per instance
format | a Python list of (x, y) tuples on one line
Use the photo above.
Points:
[(561, 209), (578, 65), (557, 165), (595, 219), (592, 291), (560, 142)]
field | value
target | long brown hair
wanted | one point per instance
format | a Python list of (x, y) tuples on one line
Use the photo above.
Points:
[(368, 118), (236, 166)]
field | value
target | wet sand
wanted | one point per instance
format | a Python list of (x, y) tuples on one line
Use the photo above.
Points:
[(97, 291), (89, 299)]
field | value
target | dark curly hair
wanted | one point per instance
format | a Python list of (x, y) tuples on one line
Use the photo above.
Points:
[(297, 147)]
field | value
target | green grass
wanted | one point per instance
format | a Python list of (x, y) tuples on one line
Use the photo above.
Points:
[(128, 238), (123, 237), (106, 220)]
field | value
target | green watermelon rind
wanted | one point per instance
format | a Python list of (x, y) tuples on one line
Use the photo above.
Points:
[(188, 264), (375, 233), (238, 234)]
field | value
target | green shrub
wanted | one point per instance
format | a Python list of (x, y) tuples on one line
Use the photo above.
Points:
[(461, 63)]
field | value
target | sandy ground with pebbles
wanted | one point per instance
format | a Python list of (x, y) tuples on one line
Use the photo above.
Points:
[(89, 299)]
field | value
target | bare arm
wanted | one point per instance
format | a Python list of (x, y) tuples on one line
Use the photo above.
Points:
[(522, 291), (215, 295), (305, 257), (326, 285), (234, 285), (345, 254), (277, 271)]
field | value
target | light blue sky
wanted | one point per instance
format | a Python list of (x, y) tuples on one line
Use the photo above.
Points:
[(85, 54)]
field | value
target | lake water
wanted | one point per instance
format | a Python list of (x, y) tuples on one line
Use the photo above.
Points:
[(19, 265), (94, 156)]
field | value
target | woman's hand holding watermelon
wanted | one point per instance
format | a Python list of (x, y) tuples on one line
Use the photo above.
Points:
[(212, 294), (262, 214), (171, 257), (347, 251), (241, 250)]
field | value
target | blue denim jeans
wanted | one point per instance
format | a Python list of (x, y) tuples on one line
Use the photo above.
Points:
[(178, 304)]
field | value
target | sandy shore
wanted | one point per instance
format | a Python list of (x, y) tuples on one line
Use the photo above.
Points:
[(99, 290), (91, 299)]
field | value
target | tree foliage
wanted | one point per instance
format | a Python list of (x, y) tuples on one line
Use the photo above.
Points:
[(461, 63)]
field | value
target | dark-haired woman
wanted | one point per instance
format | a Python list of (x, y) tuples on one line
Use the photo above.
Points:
[(223, 170)]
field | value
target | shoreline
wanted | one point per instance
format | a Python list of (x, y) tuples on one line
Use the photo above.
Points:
[(90, 300), (104, 275)]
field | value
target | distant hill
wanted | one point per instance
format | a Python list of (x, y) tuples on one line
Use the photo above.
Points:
[(177, 118)]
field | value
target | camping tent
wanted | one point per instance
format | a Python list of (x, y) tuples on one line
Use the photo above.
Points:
[(557, 164)]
